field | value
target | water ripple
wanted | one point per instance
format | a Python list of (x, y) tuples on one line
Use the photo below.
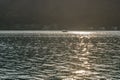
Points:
[(60, 58)]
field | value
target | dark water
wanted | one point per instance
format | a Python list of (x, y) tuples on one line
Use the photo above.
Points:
[(83, 56)]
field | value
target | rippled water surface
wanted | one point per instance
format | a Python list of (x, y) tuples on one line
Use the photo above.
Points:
[(60, 56)]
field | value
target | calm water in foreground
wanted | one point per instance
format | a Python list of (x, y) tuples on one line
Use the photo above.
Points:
[(60, 55)]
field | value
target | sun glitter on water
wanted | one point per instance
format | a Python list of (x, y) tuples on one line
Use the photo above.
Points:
[(80, 32)]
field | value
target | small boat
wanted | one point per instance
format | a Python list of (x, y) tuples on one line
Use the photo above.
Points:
[(64, 31)]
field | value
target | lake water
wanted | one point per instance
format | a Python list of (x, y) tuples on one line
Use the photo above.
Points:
[(56, 55)]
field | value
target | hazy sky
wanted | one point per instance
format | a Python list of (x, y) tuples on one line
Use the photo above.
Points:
[(61, 11)]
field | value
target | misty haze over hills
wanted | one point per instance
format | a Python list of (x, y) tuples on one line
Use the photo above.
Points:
[(79, 13)]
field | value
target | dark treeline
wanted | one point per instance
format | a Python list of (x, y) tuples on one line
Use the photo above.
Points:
[(60, 14)]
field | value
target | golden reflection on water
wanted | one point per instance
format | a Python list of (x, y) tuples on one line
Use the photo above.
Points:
[(80, 32), (85, 67), (84, 34)]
